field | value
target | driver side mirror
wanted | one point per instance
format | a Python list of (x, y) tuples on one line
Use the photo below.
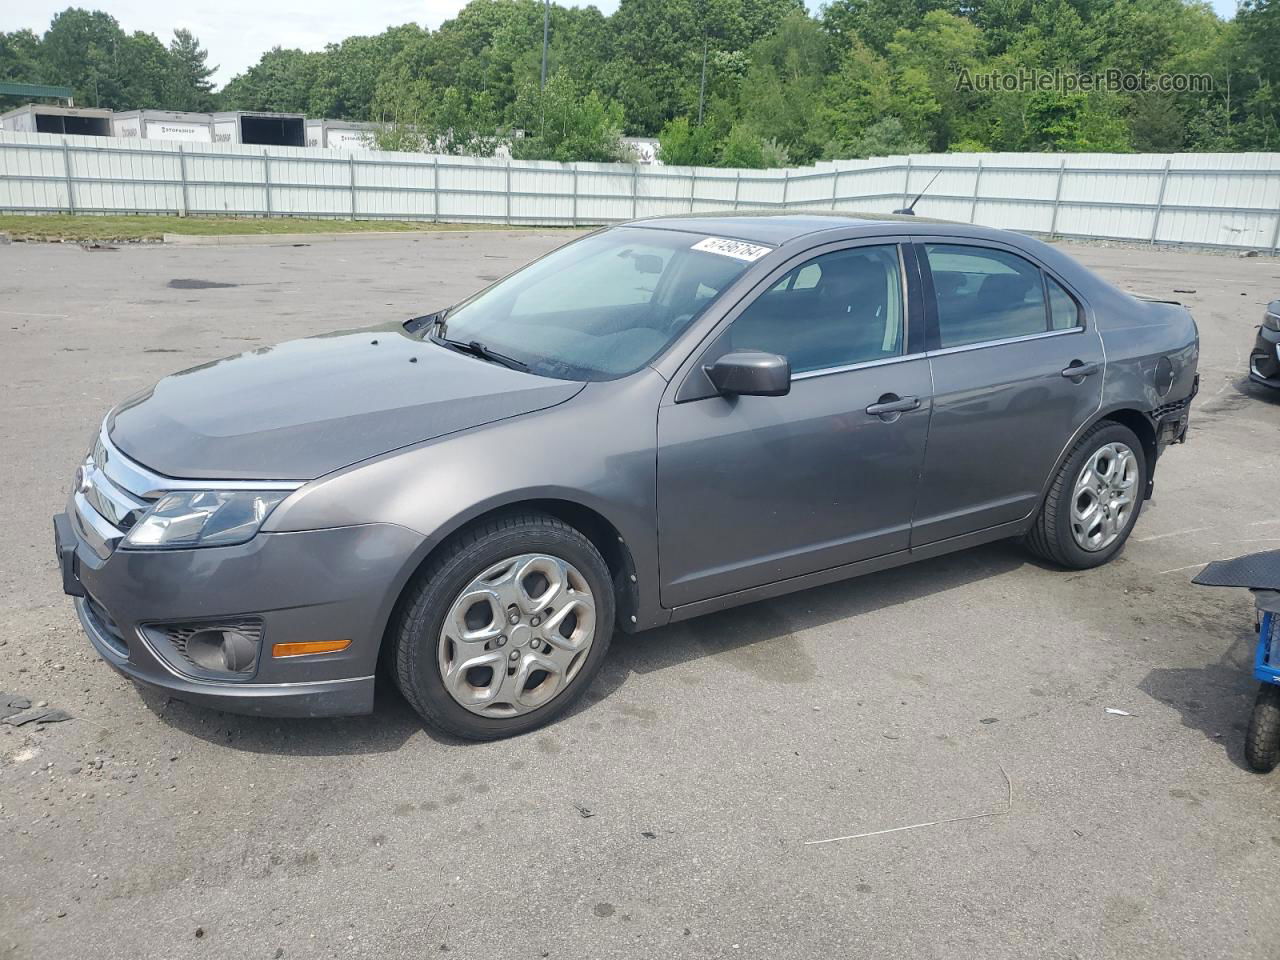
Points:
[(751, 373)]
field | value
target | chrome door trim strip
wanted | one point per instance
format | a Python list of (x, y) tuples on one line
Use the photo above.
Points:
[(883, 362), (963, 348)]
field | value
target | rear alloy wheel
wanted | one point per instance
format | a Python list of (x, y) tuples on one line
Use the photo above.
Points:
[(1094, 500), (1104, 496), (504, 630)]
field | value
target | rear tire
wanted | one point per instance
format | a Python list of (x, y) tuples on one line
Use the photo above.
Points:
[(424, 652), (1262, 742), (1058, 534)]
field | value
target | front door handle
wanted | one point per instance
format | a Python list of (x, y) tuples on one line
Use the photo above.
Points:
[(890, 405), (1078, 370)]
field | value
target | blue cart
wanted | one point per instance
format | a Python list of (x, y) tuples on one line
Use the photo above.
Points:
[(1260, 573)]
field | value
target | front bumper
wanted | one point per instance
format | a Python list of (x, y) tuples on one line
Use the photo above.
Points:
[(1264, 359), (330, 584)]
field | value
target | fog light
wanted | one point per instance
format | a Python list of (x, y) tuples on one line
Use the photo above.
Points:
[(304, 648), (228, 650), (210, 649)]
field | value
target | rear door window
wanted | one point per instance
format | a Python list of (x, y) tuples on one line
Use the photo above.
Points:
[(985, 294)]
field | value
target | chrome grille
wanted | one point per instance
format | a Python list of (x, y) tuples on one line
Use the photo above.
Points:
[(118, 507)]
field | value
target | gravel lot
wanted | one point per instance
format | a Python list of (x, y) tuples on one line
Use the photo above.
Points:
[(706, 755)]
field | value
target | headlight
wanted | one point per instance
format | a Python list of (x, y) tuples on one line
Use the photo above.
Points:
[(204, 518), (1271, 320)]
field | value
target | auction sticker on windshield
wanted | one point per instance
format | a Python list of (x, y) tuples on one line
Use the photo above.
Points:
[(737, 249)]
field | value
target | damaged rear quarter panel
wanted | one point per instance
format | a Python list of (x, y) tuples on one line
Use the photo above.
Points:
[(1135, 342)]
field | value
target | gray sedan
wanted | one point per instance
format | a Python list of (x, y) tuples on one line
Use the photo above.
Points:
[(659, 420)]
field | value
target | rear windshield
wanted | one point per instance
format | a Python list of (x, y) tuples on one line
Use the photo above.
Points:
[(604, 306)]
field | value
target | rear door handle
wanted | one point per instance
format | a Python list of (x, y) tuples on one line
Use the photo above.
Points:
[(1077, 370), (891, 404)]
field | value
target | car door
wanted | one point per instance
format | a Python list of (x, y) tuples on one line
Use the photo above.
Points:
[(1017, 370), (753, 490)]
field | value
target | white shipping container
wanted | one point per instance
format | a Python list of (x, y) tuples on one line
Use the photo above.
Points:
[(226, 131), (42, 118), (261, 128), (340, 134), (164, 125)]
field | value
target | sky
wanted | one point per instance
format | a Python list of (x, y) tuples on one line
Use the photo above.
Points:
[(237, 32)]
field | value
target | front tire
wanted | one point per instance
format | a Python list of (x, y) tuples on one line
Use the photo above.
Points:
[(505, 629), (1094, 500)]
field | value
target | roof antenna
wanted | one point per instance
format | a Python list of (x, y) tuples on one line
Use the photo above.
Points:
[(910, 209)]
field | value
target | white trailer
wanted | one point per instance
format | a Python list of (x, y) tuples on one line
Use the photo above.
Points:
[(164, 125), (42, 118), (268, 129), (341, 134)]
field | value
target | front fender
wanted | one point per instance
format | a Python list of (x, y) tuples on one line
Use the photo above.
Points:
[(596, 451)]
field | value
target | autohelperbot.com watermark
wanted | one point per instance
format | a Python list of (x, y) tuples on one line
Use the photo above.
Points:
[(1112, 80)]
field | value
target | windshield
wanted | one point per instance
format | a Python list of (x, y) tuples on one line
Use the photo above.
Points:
[(599, 308)]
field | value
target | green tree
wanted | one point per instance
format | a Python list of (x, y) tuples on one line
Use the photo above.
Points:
[(745, 148), (1258, 32), (187, 85), (876, 22), (20, 62), (685, 144), (561, 123), (1156, 125), (783, 87), (82, 50), (141, 70), (282, 81), (656, 68), (774, 76), (885, 138)]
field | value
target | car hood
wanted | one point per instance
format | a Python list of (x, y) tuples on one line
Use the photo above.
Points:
[(302, 409)]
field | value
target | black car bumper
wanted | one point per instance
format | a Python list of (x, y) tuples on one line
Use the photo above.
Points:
[(322, 584), (1264, 359)]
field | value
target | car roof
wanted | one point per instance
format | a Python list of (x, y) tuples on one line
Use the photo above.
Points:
[(776, 229)]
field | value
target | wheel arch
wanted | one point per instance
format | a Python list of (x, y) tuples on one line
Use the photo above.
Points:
[(1128, 416), (591, 523), (1143, 428)]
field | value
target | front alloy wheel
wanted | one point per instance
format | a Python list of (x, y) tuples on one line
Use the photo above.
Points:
[(504, 627), (517, 635)]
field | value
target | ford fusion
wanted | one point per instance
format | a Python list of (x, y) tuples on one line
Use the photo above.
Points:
[(656, 421)]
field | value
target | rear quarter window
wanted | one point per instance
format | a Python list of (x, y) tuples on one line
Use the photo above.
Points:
[(1064, 312)]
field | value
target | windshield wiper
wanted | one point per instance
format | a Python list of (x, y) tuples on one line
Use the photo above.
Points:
[(477, 349)]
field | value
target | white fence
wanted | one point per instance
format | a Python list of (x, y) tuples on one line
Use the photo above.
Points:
[(1226, 200)]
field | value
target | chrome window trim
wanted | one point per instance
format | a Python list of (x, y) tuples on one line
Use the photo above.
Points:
[(848, 367), (149, 485), (983, 344)]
